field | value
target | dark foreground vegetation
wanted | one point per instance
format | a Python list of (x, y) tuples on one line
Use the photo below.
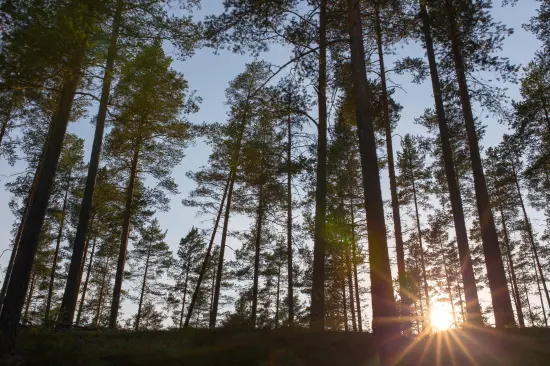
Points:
[(192, 347)]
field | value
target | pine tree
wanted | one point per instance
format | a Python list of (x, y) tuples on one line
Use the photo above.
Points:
[(189, 253), (148, 134), (152, 258)]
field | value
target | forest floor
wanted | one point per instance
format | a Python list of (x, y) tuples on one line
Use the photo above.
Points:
[(273, 348)]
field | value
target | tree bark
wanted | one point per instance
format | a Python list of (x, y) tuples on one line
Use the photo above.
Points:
[(29, 296), (502, 306), (86, 245), (350, 289), (101, 294), (289, 222), (427, 319), (384, 307), (15, 296), (143, 286), (473, 309), (184, 294), (206, 258), (74, 277), (85, 287), (531, 316), (448, 282), (344, 301), (540, 296), (56, 253), (18, 238), (214, 312), (529, 230), (355, 276), (406, 299), (124, 237), (519, 308), (317, 316), (259, 222), (278, 297)]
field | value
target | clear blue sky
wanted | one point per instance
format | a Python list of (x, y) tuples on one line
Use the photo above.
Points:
[(210, 74)]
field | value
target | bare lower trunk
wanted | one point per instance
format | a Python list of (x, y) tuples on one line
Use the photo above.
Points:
[(500, 296), (427, 319), (355, 276), (115, 303), (219, 271), (206, 258), (74, 277), (101, 295), (278, 297), (529, 230), (473, 308), (29, 296), (384, 307), (85, 287), (406, 300), (448, 282), (56, 252), (517, 297), (531, 315), (143, 287), (350, 289), (345, 309), (184, 294), (289, 254), (540, 296), (260, 219), (317, 316)]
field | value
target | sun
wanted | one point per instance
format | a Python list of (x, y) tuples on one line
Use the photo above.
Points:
[(441, 317)]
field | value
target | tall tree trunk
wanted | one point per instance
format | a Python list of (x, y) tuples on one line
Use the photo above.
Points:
[(15, 296), (115, 303), (143, 287), (18, 237), (86, 245), (278, 297), (531, 315), (101, 294), (473, 308), (529, 230), (355, 276), (384, 307), (344, 302), (219, 271), (502, 306), (29, 296), (212, 289), (74, 277), (289, 221), (512, 270), (317, 316), (232, 176), (448, 281), (184, 294), (350, 289), (56, 252), (406, 299), (460, 301), (540, 296), (206, 257), (427, 319), (85, 287), (259, 222)]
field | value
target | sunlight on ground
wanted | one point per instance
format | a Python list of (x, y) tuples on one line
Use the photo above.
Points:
[(441, 317)]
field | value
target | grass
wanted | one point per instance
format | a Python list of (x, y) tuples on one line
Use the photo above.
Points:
[(273, 348)]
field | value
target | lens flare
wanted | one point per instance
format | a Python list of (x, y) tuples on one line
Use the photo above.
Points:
[(441, 317)]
